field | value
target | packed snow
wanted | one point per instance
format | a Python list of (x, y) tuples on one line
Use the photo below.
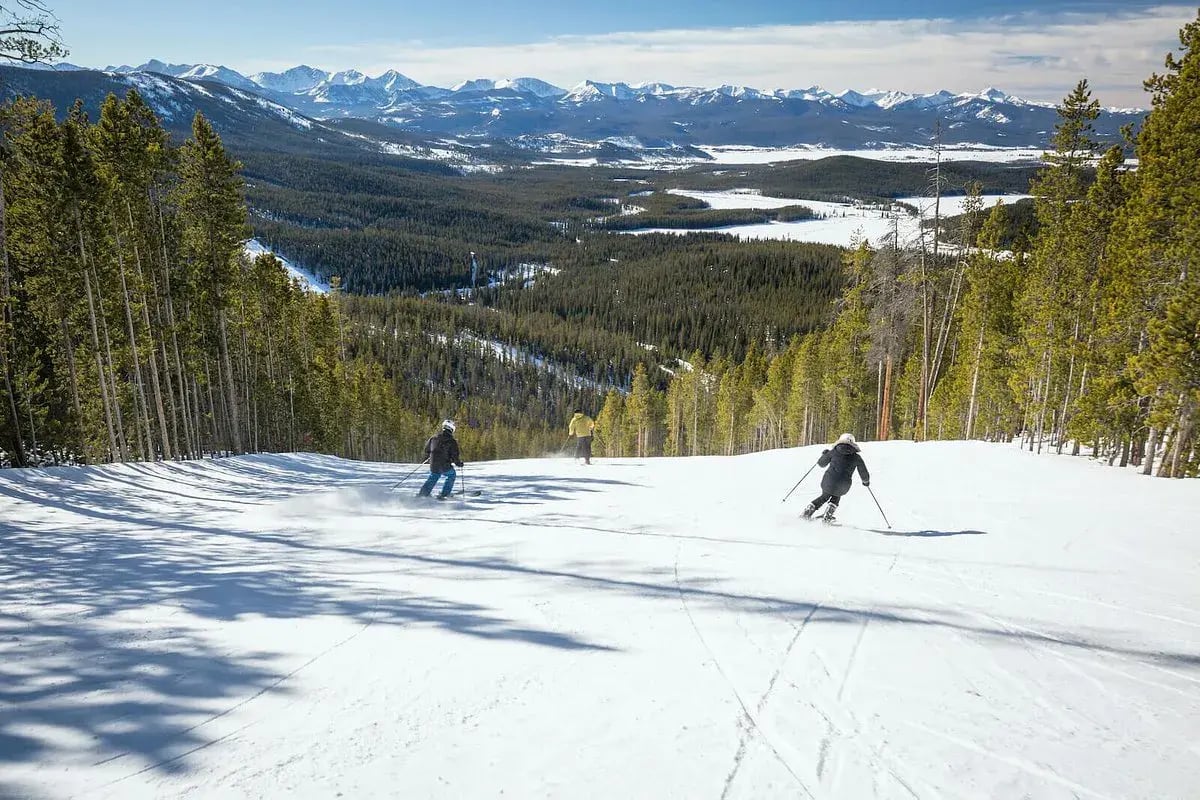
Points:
[(837, 223), (308, 280), (272, 626)]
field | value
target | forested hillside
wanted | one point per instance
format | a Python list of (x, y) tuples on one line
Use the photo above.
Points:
[(1089, 338)]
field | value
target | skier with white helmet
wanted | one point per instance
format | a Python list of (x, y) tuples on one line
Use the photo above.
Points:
[(841, 460), (441, 451)]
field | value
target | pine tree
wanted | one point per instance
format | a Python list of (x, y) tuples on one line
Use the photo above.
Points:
[(1156, 242), (210, 197), (1052, 304), (609, 425)]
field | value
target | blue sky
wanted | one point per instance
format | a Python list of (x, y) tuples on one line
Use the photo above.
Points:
[(1032, 47)]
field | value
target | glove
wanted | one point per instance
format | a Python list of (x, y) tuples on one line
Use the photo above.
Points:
[(460, 465), (865, 483)]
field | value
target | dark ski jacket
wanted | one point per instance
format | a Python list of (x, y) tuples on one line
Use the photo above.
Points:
[(442, 451), (842, 460)]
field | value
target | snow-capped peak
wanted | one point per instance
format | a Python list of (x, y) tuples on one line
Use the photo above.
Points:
[(740, 92), (858, 99), (534, 86), (349, 77), (993, 95), (476, 85), (153, 65), (220, 74), (296, 79), (391, 81), (590, 91), (653, 87), (893, 99)]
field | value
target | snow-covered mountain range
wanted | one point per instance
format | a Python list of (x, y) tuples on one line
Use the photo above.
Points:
[(683, 116), (313, 82)]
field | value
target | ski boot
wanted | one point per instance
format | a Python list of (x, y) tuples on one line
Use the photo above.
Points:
[(828, 517), (808, 511)]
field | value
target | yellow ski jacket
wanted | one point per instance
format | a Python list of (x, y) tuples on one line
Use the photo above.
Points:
[(581, 425)]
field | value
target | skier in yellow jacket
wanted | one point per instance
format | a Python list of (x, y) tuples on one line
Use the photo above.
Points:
[(582, 427)]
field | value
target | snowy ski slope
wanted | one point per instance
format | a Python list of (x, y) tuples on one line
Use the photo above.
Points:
[(281, 626)]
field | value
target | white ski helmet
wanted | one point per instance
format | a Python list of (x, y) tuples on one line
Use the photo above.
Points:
[(847, 438), (448, 425)]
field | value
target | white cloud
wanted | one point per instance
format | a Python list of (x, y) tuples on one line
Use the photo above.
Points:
[(1034, 55)]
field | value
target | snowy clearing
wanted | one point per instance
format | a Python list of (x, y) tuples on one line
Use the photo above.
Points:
[(839, 223), (310, 281), (281, 626)]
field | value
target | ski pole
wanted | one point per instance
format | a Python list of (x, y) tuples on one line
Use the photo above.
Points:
[(409, 475), (797, 486), (463, 491), (873, 497)]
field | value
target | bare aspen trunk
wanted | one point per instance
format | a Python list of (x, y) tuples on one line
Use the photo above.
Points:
[(695, 433), (921, 429), (1045, 400), (970, 427), (886, 432), (879, 402), (944, 331), (1062, 432)]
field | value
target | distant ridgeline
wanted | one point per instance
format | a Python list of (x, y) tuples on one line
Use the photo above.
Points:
[(134, 326)]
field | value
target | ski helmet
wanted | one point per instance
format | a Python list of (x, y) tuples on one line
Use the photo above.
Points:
[(448, 425), (847, 438)]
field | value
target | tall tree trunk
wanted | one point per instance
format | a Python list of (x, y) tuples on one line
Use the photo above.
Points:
[(152, 348), (155, 386), (879, 401), (118, 414), (886, 415), (1151, 451), (113, 449), (20, 459), (73, 375), (970, 427), (943, 338), (141, 406), (191, 432), (921, 429), (1045, 400), (231, 397)]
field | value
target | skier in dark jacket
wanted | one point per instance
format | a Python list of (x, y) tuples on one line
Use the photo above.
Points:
[(441, 451), (842, 459)]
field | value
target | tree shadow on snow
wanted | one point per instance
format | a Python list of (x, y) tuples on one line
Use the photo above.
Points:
[(77, 665), (926, 534)]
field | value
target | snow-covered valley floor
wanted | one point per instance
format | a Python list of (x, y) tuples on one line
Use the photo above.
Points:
[(842, 224), (281, 626)]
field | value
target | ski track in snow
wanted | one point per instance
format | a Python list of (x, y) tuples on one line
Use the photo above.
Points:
[(287, 626), (748, 717)]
